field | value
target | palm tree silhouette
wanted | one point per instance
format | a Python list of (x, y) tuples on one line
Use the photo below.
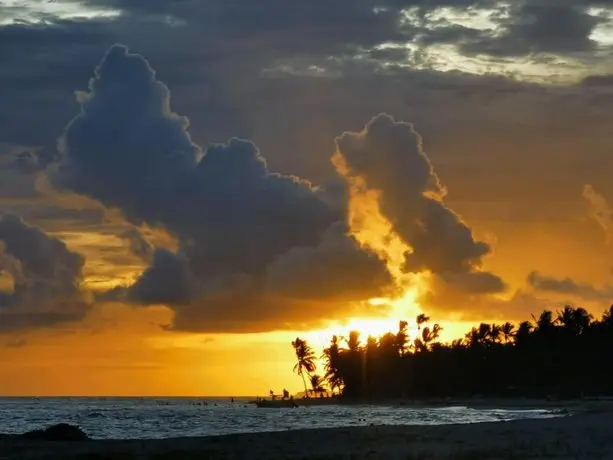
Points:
[(306, 360), (523, 334), (402, 337), (563, 354), (421, 319), (574, 321), (430, 335), (331, 356), (317, 384), (545, 324), (507, 331), (495, 333), (353, 342), (607, 317)]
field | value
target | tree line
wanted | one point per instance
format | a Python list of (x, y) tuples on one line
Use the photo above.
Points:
[(566, 354)]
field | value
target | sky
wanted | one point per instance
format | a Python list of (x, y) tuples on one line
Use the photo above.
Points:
[(185, 187)]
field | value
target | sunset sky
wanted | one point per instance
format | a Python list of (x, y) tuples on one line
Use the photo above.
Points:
[(185, 187)]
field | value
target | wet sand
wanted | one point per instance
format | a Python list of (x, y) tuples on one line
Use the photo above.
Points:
[(586, 434)]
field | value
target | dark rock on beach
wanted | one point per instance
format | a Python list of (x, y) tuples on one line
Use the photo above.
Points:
[(61, 432)]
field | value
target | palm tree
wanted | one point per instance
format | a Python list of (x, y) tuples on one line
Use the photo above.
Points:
[(357, 361), (507, 331), (317, 384), (430, 335), (607, 317), (523, 334), (574, 321), (306, 360), (545, 323), (402, 337), (331, 357), (473, 338), (353, 342), (485, 332), (495, 333), (421, 319), (387, 344)]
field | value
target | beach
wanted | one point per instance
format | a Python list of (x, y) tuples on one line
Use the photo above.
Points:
[(585, 434)]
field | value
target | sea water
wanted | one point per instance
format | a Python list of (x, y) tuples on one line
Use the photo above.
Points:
[(137, 418)]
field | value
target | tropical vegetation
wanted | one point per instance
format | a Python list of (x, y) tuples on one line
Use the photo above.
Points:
[(565, 354)]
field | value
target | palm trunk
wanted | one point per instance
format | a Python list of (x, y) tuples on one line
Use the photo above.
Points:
[(306, 391)]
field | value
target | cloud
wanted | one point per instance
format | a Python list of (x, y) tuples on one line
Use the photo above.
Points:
[(600, 211), (236, 222), (337, 266), (532, 26), (568, 286), (138, 244), (490, 31), (444, 300), (169, 280), (597, 81), (46, 278), (220, 85), (239, 98), (16, 342), (388, 157), (309, 27)]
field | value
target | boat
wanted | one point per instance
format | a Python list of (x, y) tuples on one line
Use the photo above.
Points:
[(276, 403)]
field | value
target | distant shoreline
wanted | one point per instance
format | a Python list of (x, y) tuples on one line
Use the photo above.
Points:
[(585, 434), (517, 403)]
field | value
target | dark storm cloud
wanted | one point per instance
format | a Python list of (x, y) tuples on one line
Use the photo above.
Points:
[(138, 244), (236, 40), (322, 28), (306, 27), (62, 53), (232, 216), (46, 278), (597, 81), (169, 280), (128, 150), (389, 156), (535, 26), (59, 54), (293, 119), (336, 261), (568, 286)]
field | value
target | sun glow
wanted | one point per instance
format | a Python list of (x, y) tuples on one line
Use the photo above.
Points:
[(402, 308), (374, 231)]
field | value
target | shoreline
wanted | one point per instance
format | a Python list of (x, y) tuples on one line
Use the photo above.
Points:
[(575, 405), (584, 434)]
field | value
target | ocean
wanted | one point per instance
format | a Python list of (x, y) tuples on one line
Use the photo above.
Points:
[(138, 418)]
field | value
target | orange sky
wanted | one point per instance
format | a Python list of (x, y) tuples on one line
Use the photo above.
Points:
[(121, 350), (517, 186)]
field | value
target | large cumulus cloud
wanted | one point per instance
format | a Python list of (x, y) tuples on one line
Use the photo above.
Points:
[(46, 278), (236, 222), (388, 157)]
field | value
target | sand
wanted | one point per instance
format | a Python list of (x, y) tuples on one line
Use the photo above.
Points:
[(587, 434)]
